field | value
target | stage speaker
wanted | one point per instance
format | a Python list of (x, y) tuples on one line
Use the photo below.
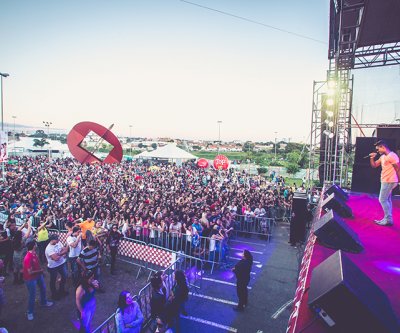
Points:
[(338, 192), (331, 231), (299, 219), (348, 300), (391, 134), (364, 146), (365, 178), (332, 201)]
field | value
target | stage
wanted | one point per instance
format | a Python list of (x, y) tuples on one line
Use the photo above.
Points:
[(380, 260)]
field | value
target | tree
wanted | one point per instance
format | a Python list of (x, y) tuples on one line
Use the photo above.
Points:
[(40, 142), (248, 146), (39, 134), (154, 145), (262, 170), (292, 168)]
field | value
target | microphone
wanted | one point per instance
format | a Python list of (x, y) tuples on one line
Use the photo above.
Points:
[(367, 156)]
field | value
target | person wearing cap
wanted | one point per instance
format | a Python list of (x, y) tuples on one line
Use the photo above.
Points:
[(55, 254), (390, 175)]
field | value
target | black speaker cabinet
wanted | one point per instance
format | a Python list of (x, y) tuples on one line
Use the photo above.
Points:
[(364, 146), (338, 192), (300, 217), (331, 231), (332, 201), (365, 178), (348, 300), (391, 134)]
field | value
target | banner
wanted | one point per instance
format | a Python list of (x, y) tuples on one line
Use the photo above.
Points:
[(3, 146)]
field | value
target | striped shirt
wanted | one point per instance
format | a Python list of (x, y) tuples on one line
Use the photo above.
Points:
[(89, 257)]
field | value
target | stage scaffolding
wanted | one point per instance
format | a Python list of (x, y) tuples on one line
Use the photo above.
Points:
[(355, 41)]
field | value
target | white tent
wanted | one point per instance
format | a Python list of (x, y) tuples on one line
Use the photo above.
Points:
[(168, 152)]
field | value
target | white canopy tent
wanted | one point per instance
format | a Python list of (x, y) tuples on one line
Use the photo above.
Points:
[(168, 152)]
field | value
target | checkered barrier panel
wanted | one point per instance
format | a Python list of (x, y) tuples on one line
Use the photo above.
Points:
[(145, 253), (130, 249), (62, 236)]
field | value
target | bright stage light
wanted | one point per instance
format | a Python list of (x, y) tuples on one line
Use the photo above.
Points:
[(329, 102), (329, 134), (329, 114), (331, 92), (331, 84)]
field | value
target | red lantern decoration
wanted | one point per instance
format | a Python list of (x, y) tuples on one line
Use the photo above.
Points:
[(221, 162), (202, 163)]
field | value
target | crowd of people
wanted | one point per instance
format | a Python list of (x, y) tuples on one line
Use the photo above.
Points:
[(101, 204)]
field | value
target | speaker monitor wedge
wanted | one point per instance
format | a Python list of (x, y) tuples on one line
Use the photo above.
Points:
[(348, 300), (331, 231), (338, 192), (332, 201)]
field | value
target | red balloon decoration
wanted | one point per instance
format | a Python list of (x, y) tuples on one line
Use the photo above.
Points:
[(202, 163), (221, 162)]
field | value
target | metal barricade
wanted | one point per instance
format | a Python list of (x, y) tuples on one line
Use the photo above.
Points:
[(194, 278), (247, 224), (210, 250)]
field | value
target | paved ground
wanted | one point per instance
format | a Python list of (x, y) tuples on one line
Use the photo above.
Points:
[(210, 309), (272, 286)]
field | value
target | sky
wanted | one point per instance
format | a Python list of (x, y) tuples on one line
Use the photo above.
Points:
[(170, 68)]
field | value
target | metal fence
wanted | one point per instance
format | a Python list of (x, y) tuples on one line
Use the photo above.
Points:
[(247, 224), (193, 267)]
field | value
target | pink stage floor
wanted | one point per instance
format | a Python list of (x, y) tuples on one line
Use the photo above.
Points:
[(380, 259)]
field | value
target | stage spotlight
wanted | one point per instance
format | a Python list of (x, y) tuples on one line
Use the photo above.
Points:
[(329, 123), (330, 101), (331, 84), (329, 113)]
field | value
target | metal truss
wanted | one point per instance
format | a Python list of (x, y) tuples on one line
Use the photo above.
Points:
[(377, 55)]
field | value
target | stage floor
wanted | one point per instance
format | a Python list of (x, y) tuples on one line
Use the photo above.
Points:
[(380, 259)]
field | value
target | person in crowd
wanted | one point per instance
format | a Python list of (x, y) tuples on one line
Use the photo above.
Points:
[(158, 296), (19, 242), (43, 237), (242, 271), (33, 275), (89, 260), (113, 239), (87, 225), (177, 299), (85, 300), (74, 242), (390, 176), (128, 317), (55, 255), (162, 326)]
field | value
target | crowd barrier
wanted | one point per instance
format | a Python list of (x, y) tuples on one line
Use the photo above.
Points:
[(136, 253), (247, 224), (211, 250), (193, 267)]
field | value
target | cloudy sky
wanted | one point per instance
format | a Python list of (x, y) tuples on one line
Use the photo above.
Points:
[(174, 68)]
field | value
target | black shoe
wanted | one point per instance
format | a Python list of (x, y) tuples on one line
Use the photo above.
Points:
[(239, 309)]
